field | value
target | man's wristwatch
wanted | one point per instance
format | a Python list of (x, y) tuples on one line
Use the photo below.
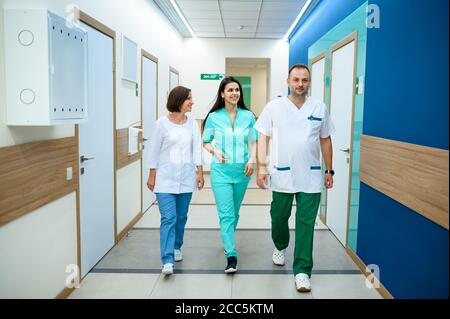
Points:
[(329, 171)]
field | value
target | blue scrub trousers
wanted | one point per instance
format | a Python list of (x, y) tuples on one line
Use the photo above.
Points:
[(173, 209)]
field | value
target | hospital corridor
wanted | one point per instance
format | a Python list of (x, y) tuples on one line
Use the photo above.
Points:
[(200, 151)]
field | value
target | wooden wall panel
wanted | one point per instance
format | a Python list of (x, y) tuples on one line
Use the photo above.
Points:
[(414, 175), (122, 157), (34, 174)]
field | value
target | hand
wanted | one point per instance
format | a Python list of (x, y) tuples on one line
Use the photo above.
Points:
[(151, 182), (249, 168), (220, 156), (200, 181), (328, 181), (262, 180)]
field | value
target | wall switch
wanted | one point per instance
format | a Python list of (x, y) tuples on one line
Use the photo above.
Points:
[(69, 173)]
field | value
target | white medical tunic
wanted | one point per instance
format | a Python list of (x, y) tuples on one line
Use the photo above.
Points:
[(295, 143), (175, 151)]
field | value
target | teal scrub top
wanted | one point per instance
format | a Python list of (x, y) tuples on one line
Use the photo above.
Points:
[(232, 142)]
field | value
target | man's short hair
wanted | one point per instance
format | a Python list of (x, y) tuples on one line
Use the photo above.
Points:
[(298, 66)]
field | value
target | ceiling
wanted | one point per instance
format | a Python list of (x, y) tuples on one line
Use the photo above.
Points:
[(265, 19)]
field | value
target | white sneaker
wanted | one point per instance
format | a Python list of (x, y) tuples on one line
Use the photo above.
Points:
[(302, 283), (278, 257), (178, 256), (167, 269)]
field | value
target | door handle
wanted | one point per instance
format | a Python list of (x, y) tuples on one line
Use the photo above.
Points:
[(83, 159), (345, 151), (145, 139)]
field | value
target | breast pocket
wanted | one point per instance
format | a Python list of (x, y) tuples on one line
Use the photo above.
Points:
[(314, 125)]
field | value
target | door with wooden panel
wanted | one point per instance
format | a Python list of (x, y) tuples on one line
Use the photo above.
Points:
[(342, 97), (149, 116), (96, 147)]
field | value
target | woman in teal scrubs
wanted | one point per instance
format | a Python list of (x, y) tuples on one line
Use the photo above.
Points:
[(228, 134)]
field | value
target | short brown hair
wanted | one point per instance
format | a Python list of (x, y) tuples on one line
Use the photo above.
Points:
[(298, 66), (176, 98)]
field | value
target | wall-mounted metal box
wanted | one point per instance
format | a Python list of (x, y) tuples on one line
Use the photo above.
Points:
[(46, 69)]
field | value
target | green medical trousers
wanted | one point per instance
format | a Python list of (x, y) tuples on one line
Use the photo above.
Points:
[(228, 197), (305, 217)]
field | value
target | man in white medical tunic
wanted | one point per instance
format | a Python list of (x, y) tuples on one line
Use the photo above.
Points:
[(296, 128)]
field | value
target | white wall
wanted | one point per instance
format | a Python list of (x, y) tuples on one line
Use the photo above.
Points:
[(141, 21), (259, 95), (208, 56), (36, 249)]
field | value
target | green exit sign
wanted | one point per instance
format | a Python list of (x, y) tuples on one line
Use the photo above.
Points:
[(208, 76)]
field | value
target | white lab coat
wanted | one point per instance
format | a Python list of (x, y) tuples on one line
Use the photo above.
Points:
[(295, 143), (175, 151)]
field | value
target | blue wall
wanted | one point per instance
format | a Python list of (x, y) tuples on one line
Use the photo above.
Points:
[(325, 16), (410, 250), (407, 73), (406, 99)]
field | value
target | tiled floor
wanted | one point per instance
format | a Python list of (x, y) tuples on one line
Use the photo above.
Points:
[(132, 268)]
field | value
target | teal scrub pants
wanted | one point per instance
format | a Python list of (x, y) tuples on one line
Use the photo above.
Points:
[(228, 197)]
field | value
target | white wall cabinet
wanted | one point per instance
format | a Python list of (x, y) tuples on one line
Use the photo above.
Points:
[(46, 69)]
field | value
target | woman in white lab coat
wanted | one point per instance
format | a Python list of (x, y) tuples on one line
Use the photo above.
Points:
[(176, 171)]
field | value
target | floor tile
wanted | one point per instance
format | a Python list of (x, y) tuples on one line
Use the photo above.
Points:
[(342, 287), (184, 286), (266, 287), (115, 286)]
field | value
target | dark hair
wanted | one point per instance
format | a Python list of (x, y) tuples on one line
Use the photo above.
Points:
[(176, 98), (298, 66), (220, 102)]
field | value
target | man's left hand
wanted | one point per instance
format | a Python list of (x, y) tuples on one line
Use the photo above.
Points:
[(328, 181)]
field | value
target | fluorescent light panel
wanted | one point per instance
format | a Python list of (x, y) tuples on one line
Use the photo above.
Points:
[(300, 15), (177, 9)]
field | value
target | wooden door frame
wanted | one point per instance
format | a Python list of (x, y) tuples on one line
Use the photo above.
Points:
[(145, 54), (346, 40), (97, 25), (322, 56)]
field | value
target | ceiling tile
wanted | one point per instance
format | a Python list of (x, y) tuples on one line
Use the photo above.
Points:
[(274, 23), (235, 28), (240, 34), (240, 5), (240, 15), (283, 6), (210, 34), (273, 29), (270, 35), (210, 22), (289, 16), (207, 28), (202, 14), (250, 22), (192, 5)]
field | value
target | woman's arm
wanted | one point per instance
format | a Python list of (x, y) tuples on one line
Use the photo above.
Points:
[(154, 155), (218, 154), (250, 166)]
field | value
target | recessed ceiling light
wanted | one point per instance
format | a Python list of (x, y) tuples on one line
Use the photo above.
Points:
[(180, 14), (300, 15)]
